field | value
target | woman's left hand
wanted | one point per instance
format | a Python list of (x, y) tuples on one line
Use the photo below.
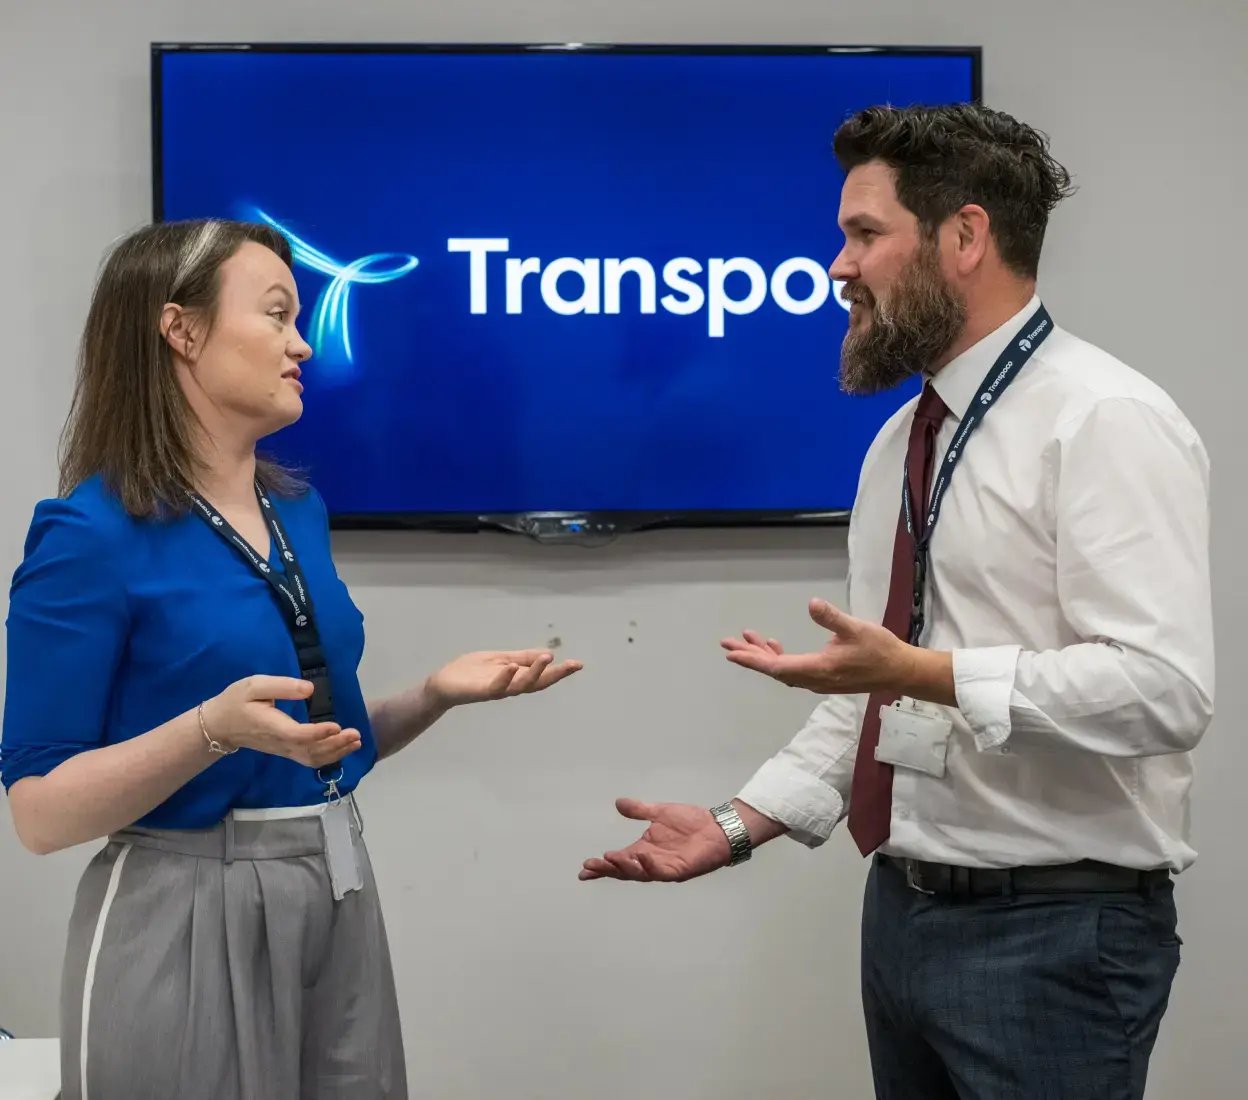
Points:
[(478, 677)]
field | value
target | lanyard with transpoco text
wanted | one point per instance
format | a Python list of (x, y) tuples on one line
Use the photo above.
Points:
[(294, 601), (1007, 367)]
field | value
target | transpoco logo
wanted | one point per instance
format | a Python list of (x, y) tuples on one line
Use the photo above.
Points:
[(1025, 344), (600, 283), (329, 331), (733, 286)]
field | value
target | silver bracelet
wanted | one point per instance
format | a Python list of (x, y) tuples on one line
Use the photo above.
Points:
[(214, 746), (739, 844)]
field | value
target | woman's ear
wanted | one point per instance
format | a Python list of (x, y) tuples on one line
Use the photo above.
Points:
[(179, 331)]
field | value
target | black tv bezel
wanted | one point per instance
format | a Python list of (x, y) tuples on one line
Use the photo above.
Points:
[(547, 525)]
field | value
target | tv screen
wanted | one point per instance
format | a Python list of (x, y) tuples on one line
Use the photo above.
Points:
[(578, 282)]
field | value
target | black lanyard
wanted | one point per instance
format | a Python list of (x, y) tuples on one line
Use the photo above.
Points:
[(1007, 367), (292, 596)]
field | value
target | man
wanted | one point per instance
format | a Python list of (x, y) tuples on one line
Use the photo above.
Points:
[(1012, 745)]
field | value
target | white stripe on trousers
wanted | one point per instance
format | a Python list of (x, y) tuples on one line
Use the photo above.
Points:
[(109, 894)]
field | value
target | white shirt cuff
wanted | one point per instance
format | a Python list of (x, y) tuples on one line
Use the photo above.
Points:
[(983, 681), (807, 806)]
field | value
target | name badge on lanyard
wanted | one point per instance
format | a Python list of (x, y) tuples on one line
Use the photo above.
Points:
[(337, 819), (295, 603), (914, 735), (1007, 367)]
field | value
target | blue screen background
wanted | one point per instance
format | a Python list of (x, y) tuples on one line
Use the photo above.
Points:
[(564, 154)]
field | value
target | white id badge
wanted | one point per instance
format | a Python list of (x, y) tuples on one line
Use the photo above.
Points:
[(344, 868), (914, 735)]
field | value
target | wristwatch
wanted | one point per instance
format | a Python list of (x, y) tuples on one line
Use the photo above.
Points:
[(738, 835)]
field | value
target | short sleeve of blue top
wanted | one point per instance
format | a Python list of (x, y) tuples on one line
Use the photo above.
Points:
[(117, 625)]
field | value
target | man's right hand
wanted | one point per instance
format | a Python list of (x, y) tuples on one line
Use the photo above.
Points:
[(681, 842)]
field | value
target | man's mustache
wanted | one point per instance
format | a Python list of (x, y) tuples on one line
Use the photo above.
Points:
[(856, 293)]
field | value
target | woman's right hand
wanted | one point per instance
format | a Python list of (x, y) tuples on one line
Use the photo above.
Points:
[(243, 716)]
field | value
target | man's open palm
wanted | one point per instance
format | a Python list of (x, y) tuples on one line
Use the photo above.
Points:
[(681, 842)]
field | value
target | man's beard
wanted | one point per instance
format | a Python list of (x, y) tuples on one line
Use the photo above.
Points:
[(907, 332)]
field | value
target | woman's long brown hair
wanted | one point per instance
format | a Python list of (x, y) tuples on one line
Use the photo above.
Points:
[(129, 420)]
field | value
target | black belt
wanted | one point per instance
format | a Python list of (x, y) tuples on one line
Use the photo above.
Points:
[(1085, 877)]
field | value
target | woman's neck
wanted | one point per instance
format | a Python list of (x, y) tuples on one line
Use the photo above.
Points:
[(227, 474)]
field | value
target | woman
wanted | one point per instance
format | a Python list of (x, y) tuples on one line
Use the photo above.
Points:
[(227, 942)]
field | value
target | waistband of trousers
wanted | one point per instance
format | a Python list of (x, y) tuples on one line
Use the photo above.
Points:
[(284, 832)]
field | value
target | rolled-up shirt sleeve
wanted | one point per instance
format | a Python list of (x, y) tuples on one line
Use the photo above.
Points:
[(805, 786), (67, 625), (1131, 497)]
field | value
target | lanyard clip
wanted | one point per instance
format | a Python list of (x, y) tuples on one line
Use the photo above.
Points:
[(332, 794), (918, 595), (321, 704)]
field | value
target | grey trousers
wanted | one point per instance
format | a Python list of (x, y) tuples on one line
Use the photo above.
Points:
[(216, 965)]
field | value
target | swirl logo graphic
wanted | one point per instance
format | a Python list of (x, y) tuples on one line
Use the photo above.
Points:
[(329, 330)]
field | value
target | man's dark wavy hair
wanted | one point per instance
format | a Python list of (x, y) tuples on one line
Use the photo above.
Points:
[(946, 157)]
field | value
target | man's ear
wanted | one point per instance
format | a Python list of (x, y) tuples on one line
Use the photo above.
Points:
[(177, 326), (973, 237)]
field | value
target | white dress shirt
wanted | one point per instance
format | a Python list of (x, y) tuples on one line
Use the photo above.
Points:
[(1069, 576)]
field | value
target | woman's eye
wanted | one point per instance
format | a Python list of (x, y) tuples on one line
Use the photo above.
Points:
[(280, 314)]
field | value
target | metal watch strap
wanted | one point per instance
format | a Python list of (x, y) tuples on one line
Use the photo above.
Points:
[(739, 845)]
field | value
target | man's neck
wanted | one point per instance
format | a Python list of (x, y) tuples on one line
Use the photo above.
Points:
[(986, 317)]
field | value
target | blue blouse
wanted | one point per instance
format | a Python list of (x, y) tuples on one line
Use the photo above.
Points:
[(117, 625)]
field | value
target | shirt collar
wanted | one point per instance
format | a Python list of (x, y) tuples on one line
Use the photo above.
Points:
[(959, 380)]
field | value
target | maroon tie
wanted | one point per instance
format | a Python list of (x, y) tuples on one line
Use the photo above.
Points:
[(871, 792)]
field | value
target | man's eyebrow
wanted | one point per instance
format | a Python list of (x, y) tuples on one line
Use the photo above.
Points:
[(860, 221)]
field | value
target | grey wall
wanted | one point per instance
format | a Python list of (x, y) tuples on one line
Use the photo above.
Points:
[(514, 978)]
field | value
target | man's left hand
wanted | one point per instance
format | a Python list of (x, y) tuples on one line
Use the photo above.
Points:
[(861, 657)]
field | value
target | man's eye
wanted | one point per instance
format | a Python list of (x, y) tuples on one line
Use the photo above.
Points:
[(280, 314)]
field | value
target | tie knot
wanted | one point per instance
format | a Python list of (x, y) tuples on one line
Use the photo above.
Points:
[(930, 406)]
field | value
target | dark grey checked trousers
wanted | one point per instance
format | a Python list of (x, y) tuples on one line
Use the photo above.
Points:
[(1031, 997)]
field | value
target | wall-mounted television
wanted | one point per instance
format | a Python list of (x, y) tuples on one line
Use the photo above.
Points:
[(565, 289)]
